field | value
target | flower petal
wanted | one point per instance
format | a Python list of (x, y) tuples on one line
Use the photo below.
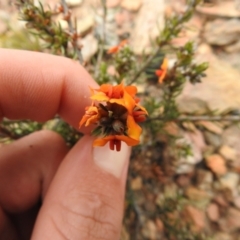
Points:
[(134, 130), (91, 116), (100, 96), (129, 102), (99, 142), (164, 65), (102, 141), (131, 90), (83, 120), (113, 50), (142, 108), (129, 141)]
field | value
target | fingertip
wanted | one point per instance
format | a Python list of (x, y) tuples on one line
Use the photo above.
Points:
[(37, 86), (85, 195)]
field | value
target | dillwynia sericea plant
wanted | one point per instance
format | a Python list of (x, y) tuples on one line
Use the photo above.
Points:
[(116, 111)]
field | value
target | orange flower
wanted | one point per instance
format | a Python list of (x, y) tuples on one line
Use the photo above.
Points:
[(161, 73), (107, 91), (115, 140), (115, 49), (124, 96), (116, 113), (91, 116)]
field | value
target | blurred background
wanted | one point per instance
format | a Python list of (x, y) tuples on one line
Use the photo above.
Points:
[(196, 195)]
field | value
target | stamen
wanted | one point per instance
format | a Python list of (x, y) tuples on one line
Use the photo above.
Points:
[(138, 113), (118, 145), (111, 144), (140, 118)]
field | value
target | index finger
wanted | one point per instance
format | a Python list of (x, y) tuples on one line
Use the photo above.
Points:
[(37, 86)]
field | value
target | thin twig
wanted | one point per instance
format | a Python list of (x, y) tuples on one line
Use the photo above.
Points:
[(143, 67), (102, 38), (73, 31), (234, 118)]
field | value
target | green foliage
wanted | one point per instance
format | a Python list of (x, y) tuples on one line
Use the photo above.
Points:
[(124, 62), (11, 130), (40, 23), (70, 135), (19, 40), (103, 76)]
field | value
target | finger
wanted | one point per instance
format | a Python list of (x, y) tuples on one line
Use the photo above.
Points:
[(37, 86), (27, 167), (85, 199)]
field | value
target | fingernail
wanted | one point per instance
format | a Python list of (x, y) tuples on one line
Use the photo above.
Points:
[(110, 160)]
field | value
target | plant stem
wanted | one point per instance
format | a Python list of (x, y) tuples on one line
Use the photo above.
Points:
[(198, 118), (72, 30), (102, 39)]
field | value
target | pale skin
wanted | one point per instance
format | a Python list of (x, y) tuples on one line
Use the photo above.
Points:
[(46, 190)]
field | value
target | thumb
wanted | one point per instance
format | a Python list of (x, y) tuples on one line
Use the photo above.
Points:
[(85, 199)]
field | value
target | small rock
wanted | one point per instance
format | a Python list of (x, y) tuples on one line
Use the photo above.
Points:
[(213, 212), (222, 236), (63, 23), (235, 47), (230, 181), (231, 136), (213, 139), (124, 234), (150, 20), (198, 140), (184, 168), (172, 128), (236, 202), (183, 180), (85, 24), (113, 3), (73, 3), (217, 164), (159, 225), (111, 70), (150, 230), (204, 179), (131, 5), (212, 127), (228, 153), (231, 222), (188, 139), (123, 17), (195, 194), (221, 9), (221, 80), (220, 200), (189, 126), (170, 190), (90, 46), (222, 32), (136, 183), (196, 217)]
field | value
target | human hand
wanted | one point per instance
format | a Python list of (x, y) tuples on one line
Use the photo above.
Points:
[(82, 190)]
